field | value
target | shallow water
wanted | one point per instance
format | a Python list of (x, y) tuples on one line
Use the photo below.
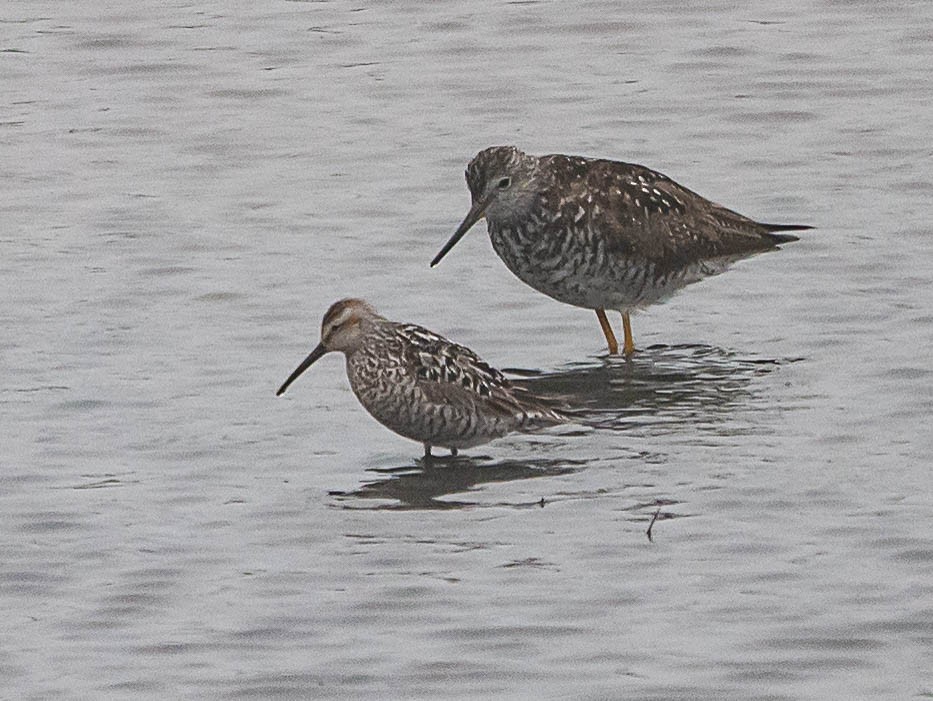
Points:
[(186, 190)]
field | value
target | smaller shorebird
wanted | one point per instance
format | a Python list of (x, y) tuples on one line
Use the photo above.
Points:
[(603, 234), (421, 385)]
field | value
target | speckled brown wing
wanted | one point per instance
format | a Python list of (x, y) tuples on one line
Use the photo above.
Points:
[(449, 373), (645, 215)]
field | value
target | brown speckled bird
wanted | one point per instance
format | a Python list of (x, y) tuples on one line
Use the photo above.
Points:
[(423, 386), (603, 234)]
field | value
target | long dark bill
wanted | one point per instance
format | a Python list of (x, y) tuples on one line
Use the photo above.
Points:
[(474, 215), (305, 364)]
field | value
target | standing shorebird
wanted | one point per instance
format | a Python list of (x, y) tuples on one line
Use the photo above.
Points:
[(421, 385), (604, 234)]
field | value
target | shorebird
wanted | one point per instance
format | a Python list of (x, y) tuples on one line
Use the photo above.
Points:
[(603, 234), (421, 385)]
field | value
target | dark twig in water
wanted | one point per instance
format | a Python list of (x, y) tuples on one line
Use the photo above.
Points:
[(651, 525)]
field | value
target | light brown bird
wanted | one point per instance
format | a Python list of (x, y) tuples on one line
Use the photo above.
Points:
[(421, 385)]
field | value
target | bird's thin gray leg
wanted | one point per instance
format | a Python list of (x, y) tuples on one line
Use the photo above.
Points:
[(427, 450), (453, 452)]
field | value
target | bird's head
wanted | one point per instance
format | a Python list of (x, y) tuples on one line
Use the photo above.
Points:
[(501, 181), (342, 329)]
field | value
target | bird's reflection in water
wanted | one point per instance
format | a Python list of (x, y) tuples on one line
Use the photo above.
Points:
[(423, 483), (666, 385), (676, 387)]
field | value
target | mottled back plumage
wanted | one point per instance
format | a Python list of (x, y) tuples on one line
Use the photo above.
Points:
[(423, 386), (640, 213)]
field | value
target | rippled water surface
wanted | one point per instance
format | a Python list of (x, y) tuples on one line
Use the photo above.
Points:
[(186, 188)]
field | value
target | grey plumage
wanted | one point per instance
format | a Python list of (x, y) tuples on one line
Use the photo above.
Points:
[(604, 234), (423, 386)]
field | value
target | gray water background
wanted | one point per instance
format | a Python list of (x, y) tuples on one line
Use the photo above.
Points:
[(187, 187)]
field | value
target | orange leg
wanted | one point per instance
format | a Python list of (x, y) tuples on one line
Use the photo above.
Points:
[(629, 345), (607, 331)]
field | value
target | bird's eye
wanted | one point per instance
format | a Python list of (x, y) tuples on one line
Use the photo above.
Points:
[(504, 183)]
